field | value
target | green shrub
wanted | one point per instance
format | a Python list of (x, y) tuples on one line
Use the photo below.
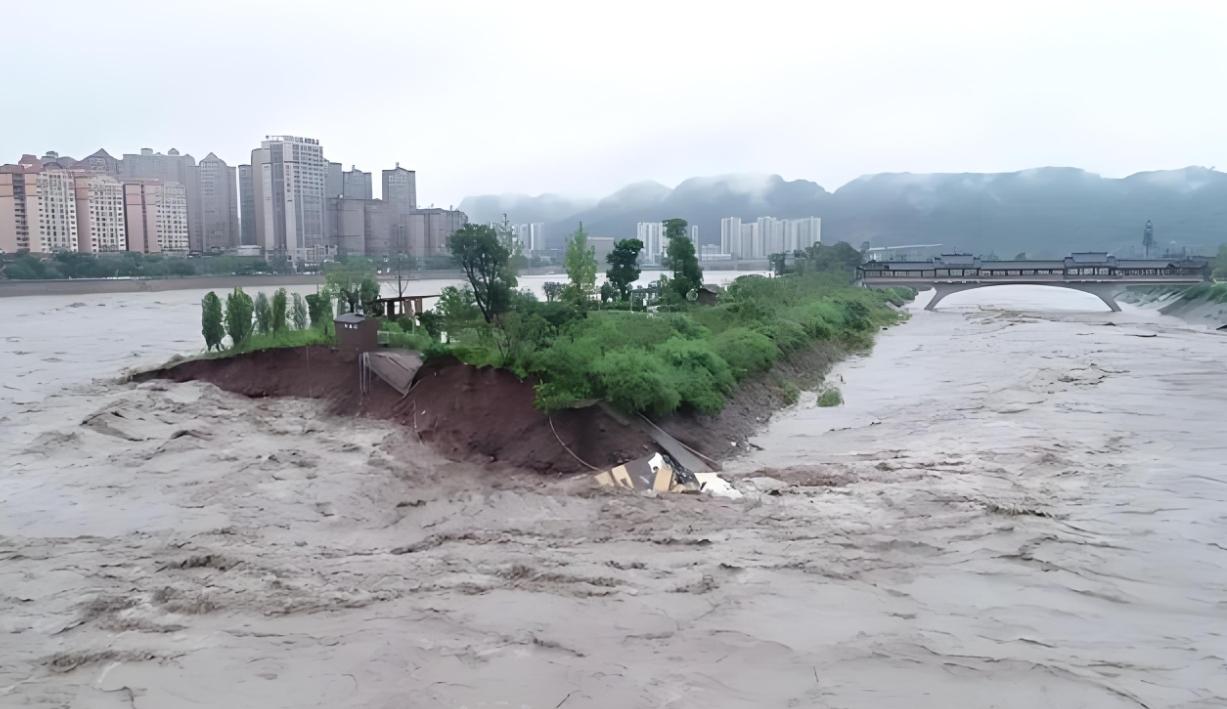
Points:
[(406, 340), (685, 326), (566, 371), (786, 334), (633, 381), (745, 350), (700, 376), (830, 397)]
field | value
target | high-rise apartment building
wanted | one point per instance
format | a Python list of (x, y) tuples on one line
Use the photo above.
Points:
[(400, 189), (171, 167), (334, 179), (172, 218), (247, 208), (652, 234), (155, 216), (101, 162), (56, 212), (288, 174), (730, 234), (356, 184), (218, 204), (536, 237), (100, 214), (768, 235), (141, 200), (18, 204), (428, 230)]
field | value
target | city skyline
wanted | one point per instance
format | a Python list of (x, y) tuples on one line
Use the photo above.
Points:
[(287, 200), (939, 87)]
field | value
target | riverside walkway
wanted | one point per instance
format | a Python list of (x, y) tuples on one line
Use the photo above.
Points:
[(1097, 273)]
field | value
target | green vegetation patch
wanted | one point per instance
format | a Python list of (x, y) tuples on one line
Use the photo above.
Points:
[(830, 397)]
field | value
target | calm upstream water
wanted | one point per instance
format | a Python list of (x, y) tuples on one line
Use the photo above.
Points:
[(1025, 505)]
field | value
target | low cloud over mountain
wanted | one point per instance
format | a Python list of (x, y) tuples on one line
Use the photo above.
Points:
[(1043, 211)]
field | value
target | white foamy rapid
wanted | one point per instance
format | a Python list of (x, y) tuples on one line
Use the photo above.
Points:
[(1017, 506)]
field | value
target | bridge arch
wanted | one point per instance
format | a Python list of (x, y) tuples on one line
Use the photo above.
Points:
[(1106, 292)]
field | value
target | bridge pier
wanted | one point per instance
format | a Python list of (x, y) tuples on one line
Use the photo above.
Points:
[(1106, 292)]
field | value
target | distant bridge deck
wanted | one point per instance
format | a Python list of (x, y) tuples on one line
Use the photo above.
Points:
[(1096, 273)]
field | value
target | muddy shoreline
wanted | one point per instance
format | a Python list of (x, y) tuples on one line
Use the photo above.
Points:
[(486, 416)]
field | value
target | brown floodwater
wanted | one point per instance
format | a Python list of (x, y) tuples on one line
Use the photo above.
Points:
[(1018, 505)]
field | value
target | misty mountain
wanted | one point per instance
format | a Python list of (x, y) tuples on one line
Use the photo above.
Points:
[(1044, 211)]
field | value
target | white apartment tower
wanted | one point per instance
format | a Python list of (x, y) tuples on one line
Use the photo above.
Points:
[(730, 235), (536, 237), (768, 235), (652, 234), (100, 214), (57, 213), (288, 174)]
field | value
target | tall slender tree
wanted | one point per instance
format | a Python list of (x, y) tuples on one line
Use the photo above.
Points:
[(238, 317), (211, 321), (580, 264), (264, 314), (280, 309), (680, 256), (298, 312)]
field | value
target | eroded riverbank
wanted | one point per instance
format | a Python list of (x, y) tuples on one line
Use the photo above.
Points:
[(1014, 508)]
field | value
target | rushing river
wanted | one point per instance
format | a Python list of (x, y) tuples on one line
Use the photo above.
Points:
[(1022, 503)]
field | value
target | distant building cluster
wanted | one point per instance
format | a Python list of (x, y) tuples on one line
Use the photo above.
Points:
[(147, 202), (656, 243), (530, 237), (289, 203), (767, 235)]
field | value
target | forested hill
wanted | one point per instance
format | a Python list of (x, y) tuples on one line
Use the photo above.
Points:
[(1044, 211)]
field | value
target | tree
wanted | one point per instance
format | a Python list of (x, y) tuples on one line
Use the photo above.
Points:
[(280, 301), (402, 265), (580, 264), (238, 317), (319, 308), (680, 256), (779, 263), (1148, 237), (298, 313), (608, 292), (457, 309), (484, 260), (624, 266), (211, 321), (553, 291), (346, 281), (264, 314), (839, 258), (515, 250)]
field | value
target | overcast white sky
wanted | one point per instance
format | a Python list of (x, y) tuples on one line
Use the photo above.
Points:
[(582, 97)]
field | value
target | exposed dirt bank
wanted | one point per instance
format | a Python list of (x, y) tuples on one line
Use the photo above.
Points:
[(466, 413), (487, 415)]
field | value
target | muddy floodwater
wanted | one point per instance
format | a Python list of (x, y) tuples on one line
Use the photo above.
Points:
[(1022, 503)]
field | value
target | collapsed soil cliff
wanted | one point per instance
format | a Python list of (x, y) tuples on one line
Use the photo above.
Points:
[(486, 415), (467, 413)]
